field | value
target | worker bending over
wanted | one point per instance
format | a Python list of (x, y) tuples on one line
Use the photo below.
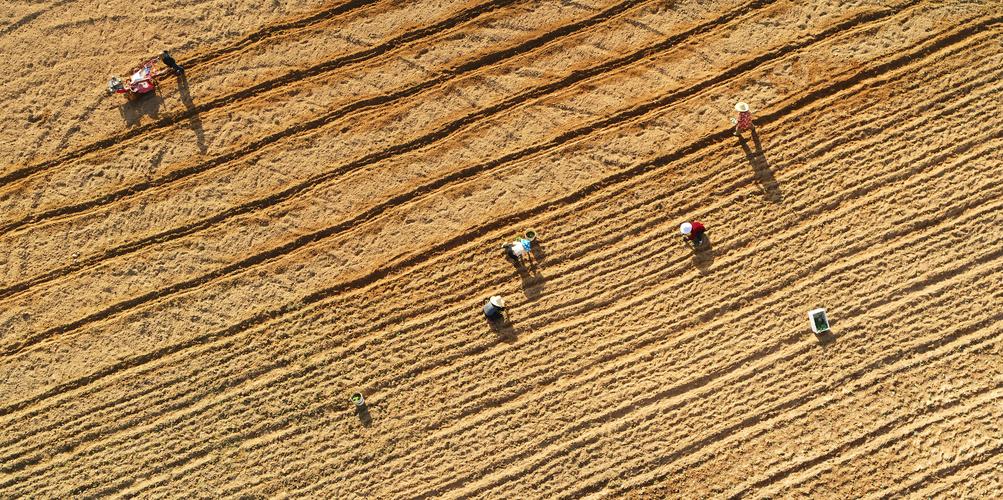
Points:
[(518, 249), (693, 232)]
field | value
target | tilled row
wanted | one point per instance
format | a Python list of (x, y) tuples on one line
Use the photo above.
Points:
[(418, 390), (386, 30), (379, 83), (966, 339), (195, 189), (909, 455), (715, 344), (965, 410), (976, 476), (654, 414), (198, 194), (63, 112), (120, 306), (528, 348), (531, 405)]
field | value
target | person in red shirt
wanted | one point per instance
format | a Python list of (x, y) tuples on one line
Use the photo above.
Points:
[(693, 232)]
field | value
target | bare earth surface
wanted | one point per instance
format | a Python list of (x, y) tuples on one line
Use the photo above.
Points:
[(192, 284)]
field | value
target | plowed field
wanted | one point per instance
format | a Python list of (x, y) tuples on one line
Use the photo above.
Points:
[(193, 283)]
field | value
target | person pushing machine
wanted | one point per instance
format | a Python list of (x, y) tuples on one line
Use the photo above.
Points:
[(171, 63)]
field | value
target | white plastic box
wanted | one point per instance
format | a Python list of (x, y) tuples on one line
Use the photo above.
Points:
[(818, 320)]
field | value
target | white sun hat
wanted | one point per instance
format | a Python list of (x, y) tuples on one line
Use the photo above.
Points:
[(741, 107), (685, 228), (497, 301)]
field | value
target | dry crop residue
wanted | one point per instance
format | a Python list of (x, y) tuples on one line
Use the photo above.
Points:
[(192, 284)]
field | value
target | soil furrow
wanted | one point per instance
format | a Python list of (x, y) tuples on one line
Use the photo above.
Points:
[(287, 79), (138, 361), (372, 213), (219, 362), (541, 455), (360, 105), (964, 403), (985, 465), (313, 182), (275, 29)]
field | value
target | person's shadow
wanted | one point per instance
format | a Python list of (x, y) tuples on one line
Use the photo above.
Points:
[(528, 270), (761, 166), (505, 330), (703, 256), (533, 281), (144, 105), (503, 327), (363, 413), (539, 251), (192, 111)]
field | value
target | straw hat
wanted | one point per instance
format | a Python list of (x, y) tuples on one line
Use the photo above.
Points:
[(741, 107), (685, 228), (497, 301)]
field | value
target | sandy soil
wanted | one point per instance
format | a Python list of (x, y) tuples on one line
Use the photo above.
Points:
[(192, 284)]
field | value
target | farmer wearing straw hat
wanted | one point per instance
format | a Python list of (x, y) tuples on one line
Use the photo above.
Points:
[(693, 232), (744, 120), (495, 308)]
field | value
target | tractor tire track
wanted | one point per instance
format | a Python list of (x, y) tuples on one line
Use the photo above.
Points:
[(474, 234), (314, 181), (282, 81), (379, 209)]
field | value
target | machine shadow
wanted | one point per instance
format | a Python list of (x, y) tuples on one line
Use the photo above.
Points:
[(147, 105)]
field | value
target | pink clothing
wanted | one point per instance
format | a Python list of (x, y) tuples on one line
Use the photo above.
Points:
[(744, 121)]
